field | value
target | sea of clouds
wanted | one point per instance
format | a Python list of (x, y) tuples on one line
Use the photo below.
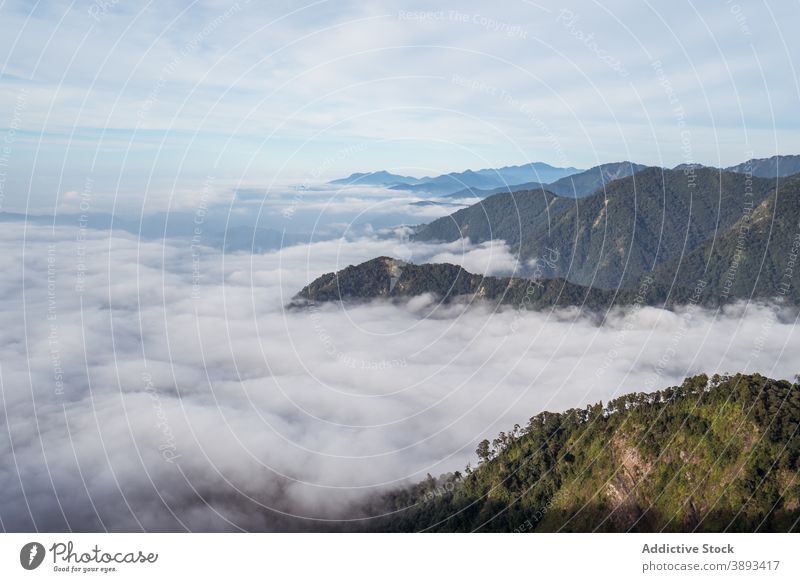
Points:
[(163, 386)]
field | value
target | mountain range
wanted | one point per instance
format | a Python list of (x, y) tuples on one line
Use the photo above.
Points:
[(444, 184), (575, 185), (660, 237), (773, 167), (569, 182), (710, 455), (379, 178), (593, 179), (617, 235)]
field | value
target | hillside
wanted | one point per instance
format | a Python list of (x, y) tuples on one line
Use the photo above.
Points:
[(499, 179), (511, 216), (388, 278), (776, 166), (449, 183), (533, 172), (613, 237), (478, 193), (724, 269), (593, 179), (710, 455), (757, 257)]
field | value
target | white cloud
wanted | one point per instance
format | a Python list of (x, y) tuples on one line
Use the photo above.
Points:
[(277, 88), (198, 407)]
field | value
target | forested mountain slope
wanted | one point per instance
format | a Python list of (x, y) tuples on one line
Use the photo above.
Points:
[(613, 237), (757, 257), (710, 455)]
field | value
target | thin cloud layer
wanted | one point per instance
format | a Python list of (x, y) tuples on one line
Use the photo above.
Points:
[(146, 100), (151, 386)]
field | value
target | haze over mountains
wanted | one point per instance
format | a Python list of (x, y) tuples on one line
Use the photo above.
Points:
[(488, 178), (569, 182), (575, 185), (379, 178)]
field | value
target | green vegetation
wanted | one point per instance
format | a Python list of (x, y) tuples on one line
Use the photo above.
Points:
[(389, 278), (757, 257), (593, 179), (617, 235), (719, 454)]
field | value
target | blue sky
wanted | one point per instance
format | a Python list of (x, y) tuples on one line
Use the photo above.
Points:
[(145, 102)]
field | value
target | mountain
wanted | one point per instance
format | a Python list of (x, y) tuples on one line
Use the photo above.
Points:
[(774, 167), (570, 182), (615, 236), (755, 258), (449, 183), (380, 178), (593, 179), (388, 278), (576, 185), (689, 166), (488, 179), (534, 172), (510, 216), (710, 455), (442, 203)]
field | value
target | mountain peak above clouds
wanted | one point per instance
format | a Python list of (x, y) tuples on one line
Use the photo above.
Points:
[(445, 184), (378, 178)]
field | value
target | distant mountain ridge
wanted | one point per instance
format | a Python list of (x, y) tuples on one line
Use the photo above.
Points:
[(487, 178), (485, 193), (774, 167), (593, 179), (569, 182), (380, 178), (448, 183), (576, 185)]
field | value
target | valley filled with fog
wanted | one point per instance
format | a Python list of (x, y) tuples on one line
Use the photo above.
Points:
[(162, 384)]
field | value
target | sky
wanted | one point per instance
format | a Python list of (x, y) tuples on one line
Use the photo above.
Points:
[(148, 102)]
